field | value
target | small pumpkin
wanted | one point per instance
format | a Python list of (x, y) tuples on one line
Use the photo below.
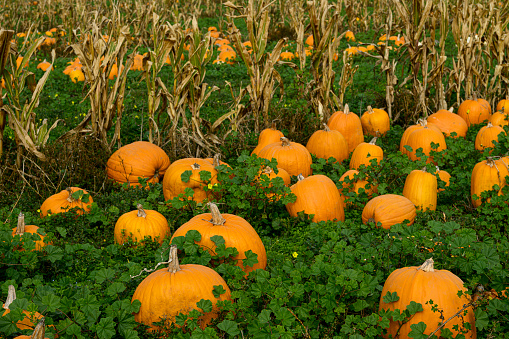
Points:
[(421, 188), (422, 284), (449, 122), (486, 137), (328, 143), (364, 153), (64, 201), (267, 136), (349, 125), (291, 156), (138, 224), (32, 229), (443, 176), (474, 112), (350, 181), (503, 106), (500, 118), (389, 209), (269, 174), (375, 122), (176, 289), (317, 195), (485, 175)]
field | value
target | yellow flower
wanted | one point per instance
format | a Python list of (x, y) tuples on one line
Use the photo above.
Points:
[(39, 210), (295, 254), (56, 94), (72, 102)]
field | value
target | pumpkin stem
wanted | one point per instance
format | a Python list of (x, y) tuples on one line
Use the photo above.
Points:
[(39, 330), (195, 166), (489, 125), (371, 220), (346, 110), (326, 128), (20, 228), (69, 198), (216, 162), (284, 141), (427, 266), (373, 141), (273, 125), (173, 260), (141, 211), (490, 162), (11, 296), (217, 218), (438, 169), (451, 109), (370, 110), (300, 177), (267, 170), (425, 170)]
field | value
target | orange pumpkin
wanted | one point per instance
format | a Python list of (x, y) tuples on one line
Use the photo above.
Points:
[(349, 125), (421, 188), (64, 201), (486, 137), (448, 122), (76, 75), (176, 289), (267, 136), (353, 184), (500, 118), (421, 137), (136, 225), (38, 333), (349, 36), (286, 56), (474, 112), (291, 156), (317, 195), (364, 153), (269, 174), (422, 284), (503, 106), (443, 176), (173, 184), (44, 66), (27, 323), (389, 209), (235, 230), (32, 229), (140, 159), (327, 143), (485, 175), (375, 122)]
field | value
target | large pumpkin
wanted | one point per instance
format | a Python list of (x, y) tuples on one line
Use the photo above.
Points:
[(64, 201), (138, 224), (349, 125), (389, 209), (422, 137), (22, 229), (328, 143), (449, 123), (364, 153), (421, 188), (176, 289), (291, 156), (485, 175), (235, 230), (267, 136), (423, 284), (375, 122), (140, 159), (486, 137), (317, 195), (474, 111), (173, 185)]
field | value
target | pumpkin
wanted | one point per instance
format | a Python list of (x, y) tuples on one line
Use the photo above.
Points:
[(38, 333), (422, 284), (485, 175), (44, 65), (328, 143), (173, 184), (64, 201), (27, 323), (76, 64), (114, 71), (375, 122), (448, 123), (268, 174), (77, 75), (500, 118), (310, 40), (227, 56), (22, 229), (389, 209), (317, 195), (291, 156), (176, 289), (267, 136), (138, 224), (140, 159), (354, 184), (422, 137), (443, 176), (503, 106), (421, 189), (364, 153), (349, 125), (349, 36), (235, 230), (474, 112), (286, 56), (137, 64), (486, 137)]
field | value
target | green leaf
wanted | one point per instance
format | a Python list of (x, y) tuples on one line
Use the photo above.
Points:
[(103, 274), (359, 305), (481, 319), (264, 316), (217, 239), (105, 328), (218, 290), (390, 297), (186, 176), (205, 176), (229, 327), (193, 235), (205, 305), (51, 301), (417, 331), (251, 259), (53, 253), (414, 307), (115, 288)]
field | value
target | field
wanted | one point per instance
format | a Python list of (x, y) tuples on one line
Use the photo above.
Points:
[(177, 82)]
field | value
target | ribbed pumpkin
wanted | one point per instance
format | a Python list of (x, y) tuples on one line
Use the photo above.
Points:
[(173, 184), (353, 184), (267, 136), (138, 224), (421, 188), (328, 143), (474, 112), (422, 284), (235, 230), (421, 137), (448, 122), (444, 176), (317, 195), (22, 229), (503, 106), (268, 174), (375, 122), (176, 289), (364, 153), (389, 209), (486, 136), (291, 156), (500, 118), (485, 175), (349, 125), (27, 323), (138, 159), (63, 202), (421, 123)]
